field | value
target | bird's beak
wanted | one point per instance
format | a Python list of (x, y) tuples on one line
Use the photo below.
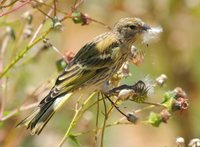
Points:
[(145, 27)]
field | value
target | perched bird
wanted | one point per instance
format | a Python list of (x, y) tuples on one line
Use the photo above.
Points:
[(94, 64)]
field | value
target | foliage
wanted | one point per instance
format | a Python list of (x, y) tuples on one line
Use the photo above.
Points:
[(35, 36)]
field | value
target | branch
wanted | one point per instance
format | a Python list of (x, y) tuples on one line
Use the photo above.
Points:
[(23, 52), (40, 26), (14, 9), (78, 113), (104, 121), (8, 5), (54, 4), (22, 108)]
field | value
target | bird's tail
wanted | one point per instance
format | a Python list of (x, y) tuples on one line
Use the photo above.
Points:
[(40, 117)]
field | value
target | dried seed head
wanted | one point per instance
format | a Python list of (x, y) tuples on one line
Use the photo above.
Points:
[(180, 104), (195, 142), (137, 56), (180, 93), (10, 32), (140, 92), (181, 101), (151, 34), (132, 118), (28, 17), (79, 17), (69, 56), (125, 70), (161, 80), (86, 19), (133, 51), (165, 115), (37, 3), (115, 80), (57, 24), (180, 142), (28, 30), (125, 94)]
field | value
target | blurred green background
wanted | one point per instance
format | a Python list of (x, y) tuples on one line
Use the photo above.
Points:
[(176, 54)]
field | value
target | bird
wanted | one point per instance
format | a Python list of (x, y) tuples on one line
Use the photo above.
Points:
[(94, 64)]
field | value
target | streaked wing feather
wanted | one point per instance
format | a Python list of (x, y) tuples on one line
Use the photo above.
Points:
[(70, 83), (90, 59)]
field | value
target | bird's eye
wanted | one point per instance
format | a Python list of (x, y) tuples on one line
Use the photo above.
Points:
[(132, 27)]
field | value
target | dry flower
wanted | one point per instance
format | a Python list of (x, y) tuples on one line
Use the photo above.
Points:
[(152, 34), (165, 115), (161, 80)]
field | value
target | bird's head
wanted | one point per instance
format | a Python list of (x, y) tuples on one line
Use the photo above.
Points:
[(129, 28)]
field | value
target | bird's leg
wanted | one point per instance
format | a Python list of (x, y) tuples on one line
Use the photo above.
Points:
[(115, 105)]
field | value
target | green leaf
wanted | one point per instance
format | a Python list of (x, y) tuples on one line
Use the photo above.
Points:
[(61, 64), (169, 100), (154, 119), (168, 95), (77, 17), (169, 104), (74, 139)]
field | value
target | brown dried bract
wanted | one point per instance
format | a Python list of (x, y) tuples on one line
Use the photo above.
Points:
[(69, 55)]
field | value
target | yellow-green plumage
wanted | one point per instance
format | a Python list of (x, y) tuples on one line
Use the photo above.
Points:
[(93, 65)]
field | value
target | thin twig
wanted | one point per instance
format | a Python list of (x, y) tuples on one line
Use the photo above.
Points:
[(155, 104), (22, 108), (40, 26), (35, 94), (40, 10), (115, 106), (108, 125), (2, 95), (97, 121), (14, 9), (77, 4), (49, 6), (2, 2), (75, 7), (99, 22), (8, 5), (23, 52), (54, 48), (143, 109), (78, 113), (54, 4), (120, 123), (104, 121)]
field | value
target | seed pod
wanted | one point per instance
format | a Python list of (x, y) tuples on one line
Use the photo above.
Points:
[(180, 142), (161, 80), (132, 118), (195, 142)]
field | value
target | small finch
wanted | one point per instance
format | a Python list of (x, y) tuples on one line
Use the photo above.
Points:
[(94, 64)]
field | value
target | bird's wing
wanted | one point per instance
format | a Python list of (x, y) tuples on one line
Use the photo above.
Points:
[(99, 53), (91, 58)]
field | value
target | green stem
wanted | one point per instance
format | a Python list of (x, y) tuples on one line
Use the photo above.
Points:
[(104, 122), (107, 126), (97, 123), (78, 113), (22, 53)]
